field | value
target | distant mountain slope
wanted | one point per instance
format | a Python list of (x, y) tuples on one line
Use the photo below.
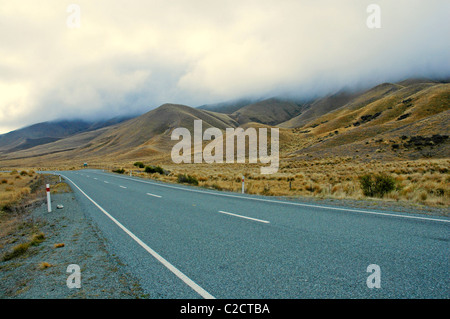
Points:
[(154, 127), (271, 111), (41, 132), (330, 103), (47, 132), (144, 135), (64, 148), (404, 120), (227, 107), (385, 114)]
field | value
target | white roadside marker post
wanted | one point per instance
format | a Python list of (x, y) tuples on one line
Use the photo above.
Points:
[(243, 187), (49, 203)]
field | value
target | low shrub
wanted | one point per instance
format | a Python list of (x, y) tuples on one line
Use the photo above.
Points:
[(183, 178), (376, 185), (154, 169), (139, 164), (119, 170)]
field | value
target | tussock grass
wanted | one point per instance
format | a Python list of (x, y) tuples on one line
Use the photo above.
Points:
[(22, 248), (16, 194), (17, 251), (13, 189), (419, 181), (37, 239), (60, 188), (416, 181), (44, 265)]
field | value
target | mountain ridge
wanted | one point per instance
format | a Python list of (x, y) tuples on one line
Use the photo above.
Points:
[(344, 123), (51, 131)]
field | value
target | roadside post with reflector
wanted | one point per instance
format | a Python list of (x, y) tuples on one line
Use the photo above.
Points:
[(49, 203)]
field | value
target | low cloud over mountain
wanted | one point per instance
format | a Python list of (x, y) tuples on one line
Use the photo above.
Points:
[(126, 58)]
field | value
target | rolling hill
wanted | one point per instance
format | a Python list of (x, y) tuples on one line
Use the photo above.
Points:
[(48, 132), (391, 121), (145, 135), (320, 107), (380, 122), (227, 107), (150, 132), (271, 112)]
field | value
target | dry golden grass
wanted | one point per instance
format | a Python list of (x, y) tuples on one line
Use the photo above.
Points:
[(44, 265), (423, 181), (60, 188), (14, 186), (17, 232), (17, 251), (22, 248), (420, 181)]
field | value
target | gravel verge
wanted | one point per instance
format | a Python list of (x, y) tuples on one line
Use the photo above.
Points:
[(41, 272)]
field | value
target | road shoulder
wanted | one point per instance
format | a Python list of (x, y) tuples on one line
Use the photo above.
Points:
[(69, 237)]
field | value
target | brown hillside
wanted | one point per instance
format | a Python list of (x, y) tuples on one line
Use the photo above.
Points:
[(271, 112), (146, 135), (415, 110), (406, 120)]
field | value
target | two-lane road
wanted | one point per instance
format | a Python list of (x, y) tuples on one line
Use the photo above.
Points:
[(189, 242)]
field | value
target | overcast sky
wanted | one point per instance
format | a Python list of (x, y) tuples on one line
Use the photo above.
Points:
[(132, 56)]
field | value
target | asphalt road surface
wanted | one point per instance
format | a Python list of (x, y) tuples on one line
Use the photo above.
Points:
[(190, 242)]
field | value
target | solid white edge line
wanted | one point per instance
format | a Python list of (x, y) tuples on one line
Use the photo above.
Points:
[(150, 194), (246, 217), (281, 202), (202, 292)]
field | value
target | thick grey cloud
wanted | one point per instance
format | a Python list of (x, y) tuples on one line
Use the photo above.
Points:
[(129, 57)]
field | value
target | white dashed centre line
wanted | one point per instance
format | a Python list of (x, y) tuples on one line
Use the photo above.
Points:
[(241, 216), (149, 194)]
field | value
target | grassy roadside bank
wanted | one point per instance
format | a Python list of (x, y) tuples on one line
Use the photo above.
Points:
[(419, 182), (19, 194)]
